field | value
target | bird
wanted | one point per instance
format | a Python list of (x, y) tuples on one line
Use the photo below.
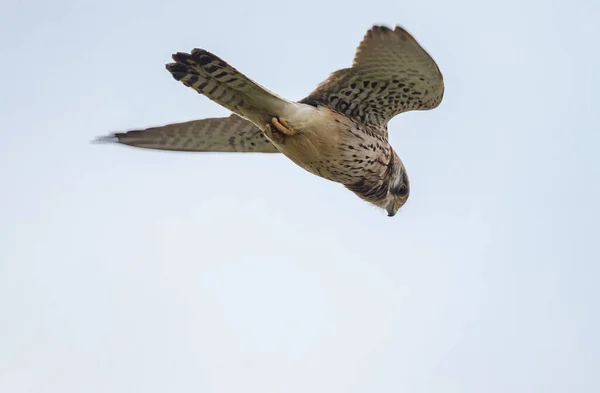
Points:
[(338, 132)]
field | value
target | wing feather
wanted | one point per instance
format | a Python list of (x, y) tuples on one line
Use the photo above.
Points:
[(221, 134), (391, 73)]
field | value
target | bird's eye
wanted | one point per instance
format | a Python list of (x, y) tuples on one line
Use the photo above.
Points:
[(403, 190)]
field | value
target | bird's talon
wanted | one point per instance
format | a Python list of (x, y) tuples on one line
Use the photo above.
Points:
[(274, 135), (283, 126)]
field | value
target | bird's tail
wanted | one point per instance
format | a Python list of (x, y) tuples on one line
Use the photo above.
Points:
[(213, 77)]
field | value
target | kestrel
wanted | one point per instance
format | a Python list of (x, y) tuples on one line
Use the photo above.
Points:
[(339, 132)]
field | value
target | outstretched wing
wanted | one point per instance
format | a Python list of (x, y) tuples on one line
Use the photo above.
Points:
[(221, 134), (391, 74), (211, 76)]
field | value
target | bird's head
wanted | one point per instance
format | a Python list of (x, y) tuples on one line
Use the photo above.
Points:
[(389, 192), (398, 192)]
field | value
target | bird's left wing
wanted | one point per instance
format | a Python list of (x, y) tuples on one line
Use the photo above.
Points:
[(221, 134), (391, 73)]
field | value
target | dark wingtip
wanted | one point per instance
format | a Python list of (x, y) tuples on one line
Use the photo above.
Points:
[(180, 67), (181, 57), (111, 138), (177, 70)]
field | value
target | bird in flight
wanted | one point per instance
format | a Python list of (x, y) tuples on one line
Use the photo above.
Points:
[(338, 132)]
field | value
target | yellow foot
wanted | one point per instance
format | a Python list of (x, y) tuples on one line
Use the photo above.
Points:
[(282, 126), (274, 135)]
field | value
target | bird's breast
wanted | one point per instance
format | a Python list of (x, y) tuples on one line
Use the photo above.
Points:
[(333, 146)]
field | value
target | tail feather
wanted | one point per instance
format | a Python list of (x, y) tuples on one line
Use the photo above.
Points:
[(213, 77)]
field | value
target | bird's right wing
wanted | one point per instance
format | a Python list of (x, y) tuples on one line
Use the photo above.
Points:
[(391, 73), (221, 134)]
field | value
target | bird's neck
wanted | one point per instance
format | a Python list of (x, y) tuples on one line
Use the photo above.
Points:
[(373, 188)]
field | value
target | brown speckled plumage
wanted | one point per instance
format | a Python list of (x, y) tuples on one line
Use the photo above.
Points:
[(338, 132)]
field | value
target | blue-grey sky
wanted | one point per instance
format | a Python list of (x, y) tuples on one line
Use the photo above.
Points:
[(125, 270)]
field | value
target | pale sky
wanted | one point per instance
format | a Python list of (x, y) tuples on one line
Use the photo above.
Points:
[(129, 270)]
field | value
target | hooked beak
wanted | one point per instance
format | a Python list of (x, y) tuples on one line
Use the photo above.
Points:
[(392, 209)]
